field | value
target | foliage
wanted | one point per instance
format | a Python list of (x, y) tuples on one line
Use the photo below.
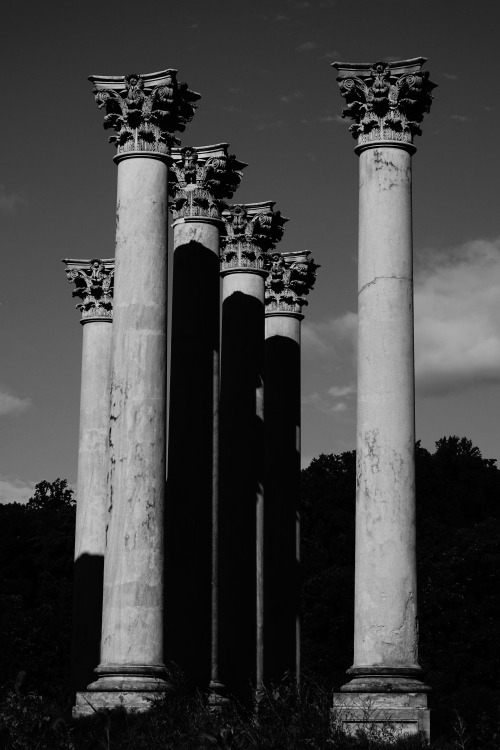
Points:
[(36, 572)]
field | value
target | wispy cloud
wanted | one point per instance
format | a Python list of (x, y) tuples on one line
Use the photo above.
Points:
[(333, 55), (15, 490), (340, 391), (306, 47), (461, 118), (281, 18), (10, 200), (10, 404), (335, 400), (451, 76), (287, 98)]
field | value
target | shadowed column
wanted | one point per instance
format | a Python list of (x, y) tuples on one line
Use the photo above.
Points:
[(290, 277), (93, 280), (387, 102), (251, 231), (201, 178), (144, 111)]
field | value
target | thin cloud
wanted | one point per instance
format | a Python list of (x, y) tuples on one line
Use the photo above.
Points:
[(306, 47), (334, 55), (457, 318), (281, 18), (15, 490), (341, 391), (10, 201), (450, 76), (10, 404)]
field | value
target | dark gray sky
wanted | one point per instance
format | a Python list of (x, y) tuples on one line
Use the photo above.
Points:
[(263, 69)]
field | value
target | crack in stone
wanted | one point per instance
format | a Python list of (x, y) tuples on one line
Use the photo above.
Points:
[(377, 278)]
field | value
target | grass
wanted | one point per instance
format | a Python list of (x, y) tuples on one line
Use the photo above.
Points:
[(282, 719)]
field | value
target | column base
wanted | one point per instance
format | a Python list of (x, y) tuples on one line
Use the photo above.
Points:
[(383, 702), (217, 697), (89, 702)]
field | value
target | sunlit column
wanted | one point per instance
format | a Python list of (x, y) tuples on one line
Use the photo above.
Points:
[(387, 102), (144, 111), (93, 280), (201, 179), (252, 230), (290, 278)]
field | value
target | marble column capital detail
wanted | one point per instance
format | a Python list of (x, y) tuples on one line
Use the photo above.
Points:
[(144, 110), (251, 231), (290, 277), (386, 100), (93, 280), (201, 178)]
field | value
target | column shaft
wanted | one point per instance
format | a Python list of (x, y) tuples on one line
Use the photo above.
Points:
[(282, 483), (92, 506), (192, 466), (385, 582), (242, 467), (132, 634)]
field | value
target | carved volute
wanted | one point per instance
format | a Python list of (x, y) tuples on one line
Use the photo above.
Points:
[(201, 179), (252, 230), (93, 280), (144, 110), (290, 278), (386, 100)]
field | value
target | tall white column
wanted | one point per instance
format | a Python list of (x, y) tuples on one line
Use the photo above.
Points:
[(144, 110), (387, 102), (251, 231), (93, 280), (201, 179), (290, 277)]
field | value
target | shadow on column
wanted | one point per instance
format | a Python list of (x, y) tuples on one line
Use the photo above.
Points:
[(87, 620), (241, 476), (188, 511), (282, 487)]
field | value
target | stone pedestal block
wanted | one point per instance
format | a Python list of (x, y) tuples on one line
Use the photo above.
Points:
[(383, 715)]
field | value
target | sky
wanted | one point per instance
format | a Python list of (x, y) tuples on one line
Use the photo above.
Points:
[(268, 89)]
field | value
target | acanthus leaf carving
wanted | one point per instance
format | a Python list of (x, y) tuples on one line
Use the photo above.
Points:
[(144, 110), (386, 100), (291, 276), (252, 230), (93, 280), (201, 179)]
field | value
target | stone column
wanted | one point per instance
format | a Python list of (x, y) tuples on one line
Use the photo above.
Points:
[(251, 231), (290, 278), (387, 102), (144, 111), (93, 280), (201, 178)]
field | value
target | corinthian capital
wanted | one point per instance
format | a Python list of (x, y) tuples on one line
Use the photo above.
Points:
[(290, 278), (93, 280), (145, 110), (201, 178), (252, 229), (386, 100)]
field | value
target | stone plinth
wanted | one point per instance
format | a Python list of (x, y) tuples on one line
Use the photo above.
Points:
[(387, 102), (93, 280), (201, 179), (386, 715)]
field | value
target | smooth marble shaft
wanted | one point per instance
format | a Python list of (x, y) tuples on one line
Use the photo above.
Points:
[(92, 505), (282, 488), (241, 605), (192, 461), (132, 633), (385, 579)]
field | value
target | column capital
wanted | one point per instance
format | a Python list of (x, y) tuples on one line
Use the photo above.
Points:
[(93, 280), (252, 230), (201, 177), (386, 100), (144, 109), (290, 278)]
